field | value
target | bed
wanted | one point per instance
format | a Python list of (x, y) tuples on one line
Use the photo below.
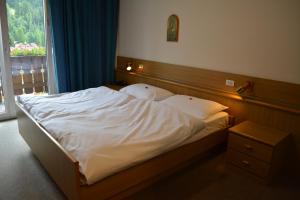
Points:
[(70, 169)]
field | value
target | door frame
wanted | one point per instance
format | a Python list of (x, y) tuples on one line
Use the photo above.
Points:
[(52, 83), (10, 111), (9, 97)]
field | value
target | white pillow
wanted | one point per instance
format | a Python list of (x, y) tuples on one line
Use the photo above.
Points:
[(145, 91), (199, 108)]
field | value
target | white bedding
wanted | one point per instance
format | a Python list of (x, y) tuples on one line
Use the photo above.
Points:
[(108, 140), (107, 131), (47, 107), (213, 123)]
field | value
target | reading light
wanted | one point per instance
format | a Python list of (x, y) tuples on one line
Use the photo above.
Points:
[(247, 86), (140, 68), (129, 67)]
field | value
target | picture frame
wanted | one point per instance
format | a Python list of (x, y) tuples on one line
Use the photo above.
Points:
[(172, 28)]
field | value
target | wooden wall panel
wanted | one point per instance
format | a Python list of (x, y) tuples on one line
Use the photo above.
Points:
[(273, 103), (269, 91)]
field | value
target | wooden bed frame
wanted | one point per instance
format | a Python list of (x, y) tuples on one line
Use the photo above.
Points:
[(64, 169)]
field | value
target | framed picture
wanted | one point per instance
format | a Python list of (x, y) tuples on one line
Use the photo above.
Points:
[(173, 28)]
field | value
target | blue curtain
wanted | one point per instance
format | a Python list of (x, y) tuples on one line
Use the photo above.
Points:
[(84, 34)]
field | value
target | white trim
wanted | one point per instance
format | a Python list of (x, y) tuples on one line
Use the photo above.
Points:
[(5, 65), (52, 87)]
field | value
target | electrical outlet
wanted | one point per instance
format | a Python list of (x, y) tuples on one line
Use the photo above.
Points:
[(230, 83)]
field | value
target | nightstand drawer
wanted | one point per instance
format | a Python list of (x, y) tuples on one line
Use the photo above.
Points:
[(253, 148), (259, 168)]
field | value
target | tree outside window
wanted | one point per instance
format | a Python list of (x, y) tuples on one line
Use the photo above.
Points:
[(26, 27)]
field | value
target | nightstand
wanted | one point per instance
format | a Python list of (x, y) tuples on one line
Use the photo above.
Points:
[(256, 149)]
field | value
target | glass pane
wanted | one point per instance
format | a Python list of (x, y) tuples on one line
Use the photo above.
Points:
[(27, 46)]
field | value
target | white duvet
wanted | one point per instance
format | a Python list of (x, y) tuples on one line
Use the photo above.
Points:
[(46, 107), (107, 139)]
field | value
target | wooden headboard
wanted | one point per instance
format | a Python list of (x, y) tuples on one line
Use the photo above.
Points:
[(272, 103)]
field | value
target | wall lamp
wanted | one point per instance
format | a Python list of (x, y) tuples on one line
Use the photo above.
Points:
[(140, 68), (247, 86), (129, 67)]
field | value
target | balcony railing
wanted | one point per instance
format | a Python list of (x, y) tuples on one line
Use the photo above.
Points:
[(29, 74)]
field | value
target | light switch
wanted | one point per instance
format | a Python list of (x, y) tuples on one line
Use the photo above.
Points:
[(230, 83)]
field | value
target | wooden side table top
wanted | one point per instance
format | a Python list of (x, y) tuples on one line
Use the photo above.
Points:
[(261, 133)]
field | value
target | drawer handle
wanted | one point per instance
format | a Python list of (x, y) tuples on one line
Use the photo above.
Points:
[(248, 147), (245, 163)]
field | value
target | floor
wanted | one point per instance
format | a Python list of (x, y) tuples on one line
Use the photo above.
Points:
[(22, 178)]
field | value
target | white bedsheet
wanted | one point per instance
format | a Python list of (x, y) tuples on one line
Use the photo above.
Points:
[(110, 139), (83, 101), (213, 123)]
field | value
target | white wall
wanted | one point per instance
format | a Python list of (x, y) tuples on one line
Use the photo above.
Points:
[(259, 38)]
